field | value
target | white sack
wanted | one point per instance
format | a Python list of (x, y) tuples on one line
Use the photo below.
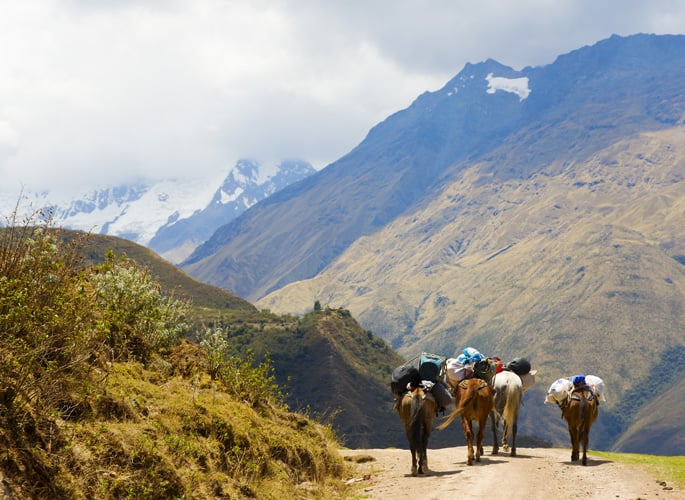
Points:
[(559, 391)]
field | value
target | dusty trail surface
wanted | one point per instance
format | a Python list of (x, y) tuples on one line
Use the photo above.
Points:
[(536, 473)]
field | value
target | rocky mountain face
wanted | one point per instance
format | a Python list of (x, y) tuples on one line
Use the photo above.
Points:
[(171, 216), (531, 213)]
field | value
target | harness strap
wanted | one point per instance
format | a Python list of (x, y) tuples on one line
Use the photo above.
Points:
[(589, 393)]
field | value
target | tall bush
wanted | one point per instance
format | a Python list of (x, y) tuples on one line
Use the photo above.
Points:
[(48, 322)]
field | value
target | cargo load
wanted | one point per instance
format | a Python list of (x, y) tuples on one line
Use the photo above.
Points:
[(403, 378)]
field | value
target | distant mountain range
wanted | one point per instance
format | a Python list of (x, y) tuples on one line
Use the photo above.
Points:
[(171, 217), (534, 212)]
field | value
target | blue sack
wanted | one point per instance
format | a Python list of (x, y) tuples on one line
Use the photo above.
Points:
[(470, 355)]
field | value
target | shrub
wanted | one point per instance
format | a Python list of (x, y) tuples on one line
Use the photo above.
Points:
[(139, 318), (251, 382), (214, 341)]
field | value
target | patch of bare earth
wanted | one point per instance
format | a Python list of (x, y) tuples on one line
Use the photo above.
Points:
[(536, 473)]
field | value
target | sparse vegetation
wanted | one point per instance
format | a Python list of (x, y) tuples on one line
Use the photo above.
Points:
[(670, 469), (101, 396)]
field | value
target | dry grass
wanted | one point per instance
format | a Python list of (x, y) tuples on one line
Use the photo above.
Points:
[(154, 434)]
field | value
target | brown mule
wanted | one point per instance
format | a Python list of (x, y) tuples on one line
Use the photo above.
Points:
[(417, 409), (580, 412), (473, 401)]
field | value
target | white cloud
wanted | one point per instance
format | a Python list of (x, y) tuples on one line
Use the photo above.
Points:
[(104, 90)]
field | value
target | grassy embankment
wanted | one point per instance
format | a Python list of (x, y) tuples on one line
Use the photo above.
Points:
[(102, 397)]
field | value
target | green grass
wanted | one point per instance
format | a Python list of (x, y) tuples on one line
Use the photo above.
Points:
[(670, 469)]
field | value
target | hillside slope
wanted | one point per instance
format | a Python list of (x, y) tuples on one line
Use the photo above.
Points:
[(652, 425), (337, 371), (325, 363), (101, 397), (544, 268)]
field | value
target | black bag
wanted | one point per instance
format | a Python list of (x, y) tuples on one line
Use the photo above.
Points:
[(520, 366), (485, 369), (402, 376)]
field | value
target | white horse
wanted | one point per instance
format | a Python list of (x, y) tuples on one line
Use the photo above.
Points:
[(508, 392)]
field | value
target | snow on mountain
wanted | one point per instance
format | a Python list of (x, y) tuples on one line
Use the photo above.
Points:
[(246, 184), (135, 212), (518, 86), (138, 212)]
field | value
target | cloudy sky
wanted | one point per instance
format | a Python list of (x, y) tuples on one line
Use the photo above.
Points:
[(103, 91)]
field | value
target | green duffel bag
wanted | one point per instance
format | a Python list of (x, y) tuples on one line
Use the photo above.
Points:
[(431, 367)]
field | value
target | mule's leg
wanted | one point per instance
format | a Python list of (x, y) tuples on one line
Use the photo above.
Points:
[(423, 457), (479, 437), (414, 453), (574, 445), (423, 462), (585, 439), (505, 436), (468, 434), (494, 420), (514, 429)]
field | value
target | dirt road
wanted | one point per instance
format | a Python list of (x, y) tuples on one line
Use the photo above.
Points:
[(536, 473)]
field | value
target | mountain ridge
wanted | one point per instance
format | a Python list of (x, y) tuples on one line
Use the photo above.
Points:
[(404, 157)]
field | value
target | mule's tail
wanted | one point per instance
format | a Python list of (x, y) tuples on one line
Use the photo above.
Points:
[(511, 407), (415, 423), (584, 424), (472, 392)]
